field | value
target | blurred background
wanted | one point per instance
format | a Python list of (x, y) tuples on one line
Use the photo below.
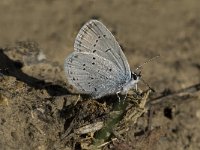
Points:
[(143, 28)]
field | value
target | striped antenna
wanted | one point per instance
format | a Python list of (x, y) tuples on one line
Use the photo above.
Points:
[(140, 66)]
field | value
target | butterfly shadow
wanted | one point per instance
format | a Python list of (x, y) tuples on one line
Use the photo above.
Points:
[(10, 67)]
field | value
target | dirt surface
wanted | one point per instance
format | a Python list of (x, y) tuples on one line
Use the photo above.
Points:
[(37, 106)]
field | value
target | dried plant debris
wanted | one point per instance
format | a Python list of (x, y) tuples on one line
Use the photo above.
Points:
[(93, 124)]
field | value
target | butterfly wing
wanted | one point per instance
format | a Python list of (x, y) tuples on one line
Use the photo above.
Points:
[(95, 38), (92, 74)]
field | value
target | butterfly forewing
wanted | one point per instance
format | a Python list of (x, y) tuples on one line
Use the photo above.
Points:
[(95, 38)]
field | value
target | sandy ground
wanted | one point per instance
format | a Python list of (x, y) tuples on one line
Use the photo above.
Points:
[(34, 94)]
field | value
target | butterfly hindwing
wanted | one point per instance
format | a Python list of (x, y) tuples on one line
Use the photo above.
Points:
[(92, 74)]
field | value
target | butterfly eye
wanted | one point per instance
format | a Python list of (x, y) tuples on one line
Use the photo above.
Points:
[(134, 76)]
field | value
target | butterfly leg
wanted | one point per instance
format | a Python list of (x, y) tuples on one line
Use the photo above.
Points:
[(125, 97), (118, 96), (136, 86)]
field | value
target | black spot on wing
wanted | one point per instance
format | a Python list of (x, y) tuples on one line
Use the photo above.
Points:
[(108, 50), (85, 30)]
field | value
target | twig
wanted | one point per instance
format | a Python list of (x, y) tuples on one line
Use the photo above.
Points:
[(182, 92)]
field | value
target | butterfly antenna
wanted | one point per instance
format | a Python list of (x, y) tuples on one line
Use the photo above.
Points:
[(147, 85), (140, 66)]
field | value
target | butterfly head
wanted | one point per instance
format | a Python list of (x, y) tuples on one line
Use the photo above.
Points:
[(135, 76)]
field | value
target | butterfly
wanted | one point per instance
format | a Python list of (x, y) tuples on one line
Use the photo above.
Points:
[(98, 66)]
